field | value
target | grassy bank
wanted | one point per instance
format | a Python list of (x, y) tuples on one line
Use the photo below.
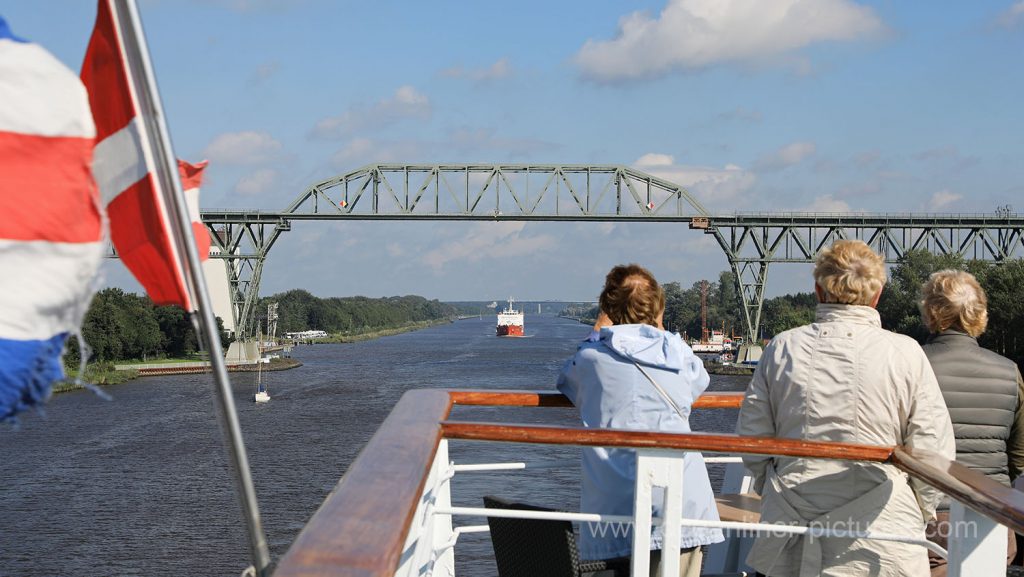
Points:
[(357, 336), (167, 361), (104, 373), (97, 374)]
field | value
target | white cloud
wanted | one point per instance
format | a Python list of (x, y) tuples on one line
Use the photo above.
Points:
[(500, 69), (487, 241), (1012, 16), (653, 160), (827, 204), (259, 182), (692, 34), (714, 187), (242, 148), (788, 155), (360, 151), (942, 199), (405, 103), (465, 141)]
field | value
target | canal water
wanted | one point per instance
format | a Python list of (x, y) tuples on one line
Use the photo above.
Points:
[(140, 485)]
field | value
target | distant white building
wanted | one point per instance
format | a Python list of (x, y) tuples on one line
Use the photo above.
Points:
[(302, 335)]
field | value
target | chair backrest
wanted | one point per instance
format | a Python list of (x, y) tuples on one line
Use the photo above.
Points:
[(532, 547)]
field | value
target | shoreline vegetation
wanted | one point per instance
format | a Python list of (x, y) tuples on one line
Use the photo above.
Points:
[(358, 336), (126, 329), (99, 374), (104, 373)]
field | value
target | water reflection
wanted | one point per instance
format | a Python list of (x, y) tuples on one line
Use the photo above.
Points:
[(140, 485)]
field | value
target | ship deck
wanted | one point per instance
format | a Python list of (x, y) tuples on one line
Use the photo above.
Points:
[(391, 512)]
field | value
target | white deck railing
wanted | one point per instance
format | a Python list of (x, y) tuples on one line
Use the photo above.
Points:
[(429, 550), (392, 513)]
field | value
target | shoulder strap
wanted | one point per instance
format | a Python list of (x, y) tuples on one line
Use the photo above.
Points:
[(662, 392)]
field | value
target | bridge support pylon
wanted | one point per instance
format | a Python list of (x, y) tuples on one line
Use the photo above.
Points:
[(751, 278), (241, 351), (749, 353)]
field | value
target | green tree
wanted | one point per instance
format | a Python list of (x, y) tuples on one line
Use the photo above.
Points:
[(179, 334), (786, 312), (141, 337), (1003, 284), (898, 306)]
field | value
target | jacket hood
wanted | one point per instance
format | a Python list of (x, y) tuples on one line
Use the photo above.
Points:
[(647, 345)]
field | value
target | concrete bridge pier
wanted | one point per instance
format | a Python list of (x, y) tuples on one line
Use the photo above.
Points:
[(749, 352), (243, 351)]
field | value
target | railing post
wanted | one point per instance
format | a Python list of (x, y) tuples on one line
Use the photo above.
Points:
[(730, 555), (429, 530), (444, 564), (657, 468), (977, 544)]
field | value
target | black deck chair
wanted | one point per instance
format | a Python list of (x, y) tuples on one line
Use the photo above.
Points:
[(540, 548)]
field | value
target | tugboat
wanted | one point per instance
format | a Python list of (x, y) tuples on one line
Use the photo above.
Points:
[(510, 322)]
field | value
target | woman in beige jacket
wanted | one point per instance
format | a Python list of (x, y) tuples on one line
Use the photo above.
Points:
[(843, 378)]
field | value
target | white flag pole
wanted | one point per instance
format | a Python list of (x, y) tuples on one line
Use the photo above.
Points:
[(141, 75)]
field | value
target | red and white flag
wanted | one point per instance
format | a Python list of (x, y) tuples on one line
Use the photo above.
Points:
[(191, 179), (124, 164), (51, 221)]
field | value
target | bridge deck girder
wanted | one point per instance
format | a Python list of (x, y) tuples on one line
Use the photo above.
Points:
[(596, 193)]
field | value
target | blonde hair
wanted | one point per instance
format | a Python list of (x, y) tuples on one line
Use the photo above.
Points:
[(849, 273), (953, 299)]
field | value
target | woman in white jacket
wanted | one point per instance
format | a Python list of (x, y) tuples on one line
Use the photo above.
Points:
[(844, 378)]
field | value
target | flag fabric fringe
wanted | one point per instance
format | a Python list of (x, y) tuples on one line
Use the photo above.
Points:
[(51, 219)]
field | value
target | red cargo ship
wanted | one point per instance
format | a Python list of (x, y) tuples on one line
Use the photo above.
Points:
[(510, 322)]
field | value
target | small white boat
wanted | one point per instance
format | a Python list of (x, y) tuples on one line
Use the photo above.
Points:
[(262, 395)]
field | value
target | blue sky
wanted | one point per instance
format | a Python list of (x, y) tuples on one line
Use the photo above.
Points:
[(823, 105)]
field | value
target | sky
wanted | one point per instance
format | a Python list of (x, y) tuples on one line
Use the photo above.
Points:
[(753, 105)]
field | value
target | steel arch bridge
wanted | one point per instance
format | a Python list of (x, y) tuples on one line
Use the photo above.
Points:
[(550, 192)]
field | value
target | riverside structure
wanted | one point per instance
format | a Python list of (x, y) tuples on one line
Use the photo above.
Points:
[(580, 192)]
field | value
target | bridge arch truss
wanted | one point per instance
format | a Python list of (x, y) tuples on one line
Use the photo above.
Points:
[(536, 192)]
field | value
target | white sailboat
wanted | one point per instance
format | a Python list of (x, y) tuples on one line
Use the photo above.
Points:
[(262, 395)]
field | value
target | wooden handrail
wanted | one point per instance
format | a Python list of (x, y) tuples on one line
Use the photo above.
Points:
[(555, 399), (970, 487), (712, 443), (504, 398), (718, 401), (361, 527)]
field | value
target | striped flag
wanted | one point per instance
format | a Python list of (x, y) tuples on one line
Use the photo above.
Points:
[(124, 167), (191, 179), (51, 221)]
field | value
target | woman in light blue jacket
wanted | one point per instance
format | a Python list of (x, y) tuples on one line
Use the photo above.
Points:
[(605, 379)]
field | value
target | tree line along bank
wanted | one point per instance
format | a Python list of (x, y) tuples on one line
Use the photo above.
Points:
[(124, 326), (898, 306)]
